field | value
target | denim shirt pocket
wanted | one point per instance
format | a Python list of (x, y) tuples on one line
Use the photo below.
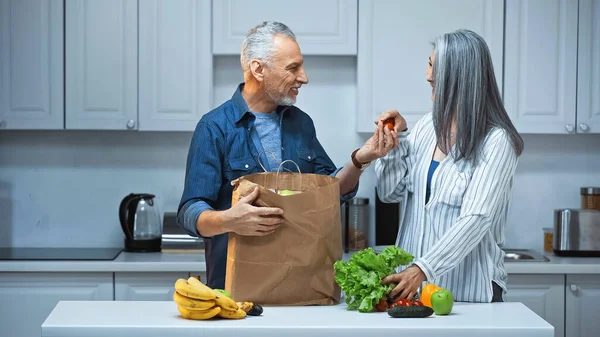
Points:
[(306, 160), (241, 166)]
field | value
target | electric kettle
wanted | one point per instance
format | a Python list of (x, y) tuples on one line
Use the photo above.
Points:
[(141, 224)]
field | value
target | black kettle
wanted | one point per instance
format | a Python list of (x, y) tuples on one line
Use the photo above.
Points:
[(141, 224)]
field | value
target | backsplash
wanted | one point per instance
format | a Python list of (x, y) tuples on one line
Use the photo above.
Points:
[(63, 188)]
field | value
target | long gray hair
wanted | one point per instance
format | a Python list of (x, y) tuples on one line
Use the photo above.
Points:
[(465, 90), (258, 43)]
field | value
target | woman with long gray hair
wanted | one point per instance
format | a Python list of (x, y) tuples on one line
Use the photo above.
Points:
[(454, 172)]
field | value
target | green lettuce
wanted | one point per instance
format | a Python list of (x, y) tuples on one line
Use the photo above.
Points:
[(360, 277)]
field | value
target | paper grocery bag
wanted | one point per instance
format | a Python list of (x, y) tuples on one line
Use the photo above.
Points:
[(293, 265)]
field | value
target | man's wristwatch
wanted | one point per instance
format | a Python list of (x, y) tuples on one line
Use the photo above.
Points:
[(356, 163)]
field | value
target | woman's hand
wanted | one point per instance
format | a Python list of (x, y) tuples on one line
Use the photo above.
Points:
[(399, 121), (382, 142), (408, 280)]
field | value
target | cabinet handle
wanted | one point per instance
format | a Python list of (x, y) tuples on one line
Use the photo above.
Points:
[(2, 124), (130, 124), (569, 128), (584, 127), (574, 287)]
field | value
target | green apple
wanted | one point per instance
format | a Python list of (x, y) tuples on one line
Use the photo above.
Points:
[(286, 192), (442, 302), (224, 292)]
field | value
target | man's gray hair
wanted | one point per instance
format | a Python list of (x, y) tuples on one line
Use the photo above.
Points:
[(258, 43), (465, 90)]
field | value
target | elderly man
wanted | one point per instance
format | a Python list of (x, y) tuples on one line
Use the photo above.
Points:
[(259, 120)]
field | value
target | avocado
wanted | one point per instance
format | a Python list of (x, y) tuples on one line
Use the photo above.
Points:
[(410, 312), (256, 310)]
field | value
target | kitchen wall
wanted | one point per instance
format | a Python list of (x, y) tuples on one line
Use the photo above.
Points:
[(63, 188)]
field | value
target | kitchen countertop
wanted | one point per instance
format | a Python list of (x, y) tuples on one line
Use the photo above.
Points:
[(157, 319), (176, 262), (125, 262)]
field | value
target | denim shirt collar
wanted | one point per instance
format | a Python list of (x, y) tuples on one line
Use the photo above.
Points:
[(242, 106)]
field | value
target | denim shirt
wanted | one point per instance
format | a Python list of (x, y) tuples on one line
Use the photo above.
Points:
[(225, 147)]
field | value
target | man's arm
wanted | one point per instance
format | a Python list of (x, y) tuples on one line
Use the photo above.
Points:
[(202, 185)]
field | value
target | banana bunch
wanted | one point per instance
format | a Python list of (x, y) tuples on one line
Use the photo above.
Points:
[(195, 300)]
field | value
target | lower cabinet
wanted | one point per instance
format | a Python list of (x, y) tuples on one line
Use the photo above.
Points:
[(26, 299), (543, 294), (582, 306), (146, 286)]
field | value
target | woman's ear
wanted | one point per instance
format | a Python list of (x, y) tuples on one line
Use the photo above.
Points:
[(257, 68)]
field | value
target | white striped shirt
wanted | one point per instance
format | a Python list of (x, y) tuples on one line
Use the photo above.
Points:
[(455, 237)]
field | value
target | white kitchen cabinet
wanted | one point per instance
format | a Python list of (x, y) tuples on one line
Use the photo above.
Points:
[(582, 305), (322, 27), (146, 286), (540, 85), (26, 299), (101, 51), (588, 79), (543, 294), (175, 74), (31, 64), (394, 45)]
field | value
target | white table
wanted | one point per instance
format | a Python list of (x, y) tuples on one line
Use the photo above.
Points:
[(159, 319)]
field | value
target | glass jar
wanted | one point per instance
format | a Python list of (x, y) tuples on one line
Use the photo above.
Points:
[(590, 198), (548, 238), (358, 224)]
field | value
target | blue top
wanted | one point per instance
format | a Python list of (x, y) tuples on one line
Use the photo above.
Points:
[(432, 167), (266, 135), (223, 148)]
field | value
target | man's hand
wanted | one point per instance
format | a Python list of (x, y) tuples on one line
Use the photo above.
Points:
[(399, 121), (408, 280), (245, 219)]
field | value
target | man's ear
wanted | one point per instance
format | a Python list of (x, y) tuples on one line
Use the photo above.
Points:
[(257, 68)]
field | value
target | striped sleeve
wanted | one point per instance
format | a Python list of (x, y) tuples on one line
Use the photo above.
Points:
[(393, 170), (482, 200)]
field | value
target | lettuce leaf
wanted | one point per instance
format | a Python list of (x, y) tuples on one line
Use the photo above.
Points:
[(360, 277)]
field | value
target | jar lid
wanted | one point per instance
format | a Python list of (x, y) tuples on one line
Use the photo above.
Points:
[(358, 201), (590, 190)]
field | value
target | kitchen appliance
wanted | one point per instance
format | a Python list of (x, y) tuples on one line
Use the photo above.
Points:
[(141, 224), (176, 240), (355, 224), (24, 253), (576, 232)]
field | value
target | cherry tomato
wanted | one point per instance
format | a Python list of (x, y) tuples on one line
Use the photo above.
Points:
[(381, 306), (389, 123), (403, 302), (417, 303)]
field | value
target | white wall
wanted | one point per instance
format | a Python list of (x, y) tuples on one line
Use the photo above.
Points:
[(63, 188)]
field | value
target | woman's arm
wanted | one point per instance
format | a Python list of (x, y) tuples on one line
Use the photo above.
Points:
[(483, 199)]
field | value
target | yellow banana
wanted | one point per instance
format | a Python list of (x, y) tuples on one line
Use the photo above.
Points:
[(188, 290), (192, 303), (226, 303), (198, 314), (235, 314), (221, 300), (246, 306)]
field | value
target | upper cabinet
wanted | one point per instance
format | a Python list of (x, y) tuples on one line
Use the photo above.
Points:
[(31, 64), (175, 69), (540, 88), (588, 79), (135, 65), (101, 64), (394, 44), (322, 27)]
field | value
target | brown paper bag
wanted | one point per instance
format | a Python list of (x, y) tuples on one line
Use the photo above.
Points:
[(294, 265)]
